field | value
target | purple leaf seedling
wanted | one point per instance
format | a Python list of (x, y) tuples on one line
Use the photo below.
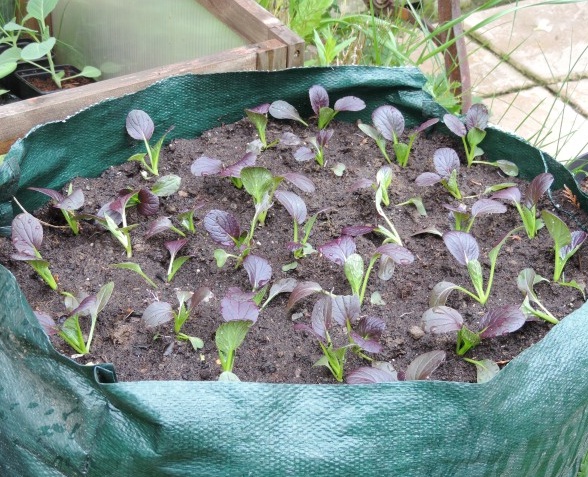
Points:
[(472, 132), (464, 220), (446, 165), (67, 204), (161, 225), (113, 214), (496, 322), (175, 263), (528, 211), (140, 126), (160, 312), (258, 117), (206, 166), (27, 237), (388, 125), (319, 143), (319, 101), (526, 280)]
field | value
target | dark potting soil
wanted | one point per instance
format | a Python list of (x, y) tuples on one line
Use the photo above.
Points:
[(273, 351)]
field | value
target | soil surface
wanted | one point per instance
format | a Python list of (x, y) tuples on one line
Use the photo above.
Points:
[(273, 351)]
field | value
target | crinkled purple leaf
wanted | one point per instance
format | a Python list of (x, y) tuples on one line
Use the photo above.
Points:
[(234, 308), (346, 307), (477, 117), (339, 249), (441, 319), (388, 121), (537, 187), (206, 166), (323, 137), (304, 154), (319, 98), (300, 181), (139, 125), (174, 246), (368, 332), (446, 161), (113, 214), (158, 226), (578, 238), (398, 253), (301, 291), (501, 320), (55, 195), (362, 183), (261, 109), (427, 124), (349, 103), (293, 204), (357, 230), (422, 366), (157, 313), (72, 201), (47, 323), (222, 227), (283, 110), (367, 375), (321, 316), (27, 234), (454, 124), (487, 206), (258, 270), (462, 246), (148, 203), (119, 204), (427, 179), (511, 193), (234, 170)]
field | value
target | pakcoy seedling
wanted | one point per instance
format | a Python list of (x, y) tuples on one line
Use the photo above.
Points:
[(526, 281), (67, 204), (175, 263), (388, 125), (446, 164), (496, 322), (160, 312), (472, 132), (464, 220), (319, 143), (258, 117), (207, 166), (140, 126)]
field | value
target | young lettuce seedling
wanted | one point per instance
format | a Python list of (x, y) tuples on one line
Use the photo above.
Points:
[(319, 143), (206, 166), (258, 117), (446, 165), (27, 237), (464, 248), (464, 220), (526, 280), (388, 125), (566, 245), (528, 211), (496, 322), (160, 312), (70, 331), (67, 204), (473, 132), (140, 126)]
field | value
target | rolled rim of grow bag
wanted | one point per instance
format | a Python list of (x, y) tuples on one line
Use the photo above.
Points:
[(61, 418)]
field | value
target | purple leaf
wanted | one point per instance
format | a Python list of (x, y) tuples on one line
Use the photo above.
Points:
[(119, 204), (290, 139), (446, 161), (55, 195), (388, 121), (346, 308), (234, 170), (283, 110), (323, 136), (487, 206), (300, 181), (368, 333), (174, 246), (502, 320), (258, 270), (321, 316), (27, 234), (427, 124), (284, 285), (538, 186), (304, 154), (158, 226), (319, 98), (148, 203), (338, 250), (441, 319), (577, 238), (157, 313), (427, 179), (357, 230), (399, 254), (139, 125), (462, 246), (477, 117), (455, 125), (206, 166), (349, 103), (46, 322), (239, 306), (459, 208), (511, 193), (261, 109), (301, 291), (293, 204), (422, 366), (203, 294), (367, 375), (440, 293), (222, 227), (73, 201)]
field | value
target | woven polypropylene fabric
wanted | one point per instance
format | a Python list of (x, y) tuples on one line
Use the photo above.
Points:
[(58, 418)]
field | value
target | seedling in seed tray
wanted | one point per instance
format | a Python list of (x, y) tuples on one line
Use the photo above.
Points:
[(528, 211), (27, 238), (67, 204), (258, 117), (446, 165), (496, 322), (388, 125), (472, 132), (140, 126), (160, 312), (70, 330)]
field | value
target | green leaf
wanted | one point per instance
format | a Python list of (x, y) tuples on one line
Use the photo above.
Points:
[(39, 9), (559, 231), (196, 343), (354, 270), (418, 203), (376, 299), (402, 152), (90, 72), (508, 167), (221, 257), (338, 169), (35, 51), (486, 369), (474, 137), (257, 182), (135, 267), (289, 266), (166, 185), (229, 377), (230, 335), (176, 265), (466, 340), (326, 115)]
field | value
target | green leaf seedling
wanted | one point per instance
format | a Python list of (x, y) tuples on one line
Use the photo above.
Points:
[(258, 117), (526, 280)]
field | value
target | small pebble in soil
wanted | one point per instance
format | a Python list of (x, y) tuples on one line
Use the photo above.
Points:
[(416, 332)]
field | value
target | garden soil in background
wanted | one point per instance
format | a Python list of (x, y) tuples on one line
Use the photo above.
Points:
[(273, 351)]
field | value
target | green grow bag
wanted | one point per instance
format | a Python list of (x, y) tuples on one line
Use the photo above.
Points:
[(58, 418)]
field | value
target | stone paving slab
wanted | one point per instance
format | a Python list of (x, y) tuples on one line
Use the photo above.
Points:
[(576, 92)]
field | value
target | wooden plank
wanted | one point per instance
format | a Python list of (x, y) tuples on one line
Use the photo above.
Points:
[(18, 118), (255, 24)]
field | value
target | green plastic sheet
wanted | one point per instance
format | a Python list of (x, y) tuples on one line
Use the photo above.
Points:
[(58, 418)]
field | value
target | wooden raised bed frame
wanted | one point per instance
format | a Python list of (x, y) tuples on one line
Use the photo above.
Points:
[(273, 47)]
